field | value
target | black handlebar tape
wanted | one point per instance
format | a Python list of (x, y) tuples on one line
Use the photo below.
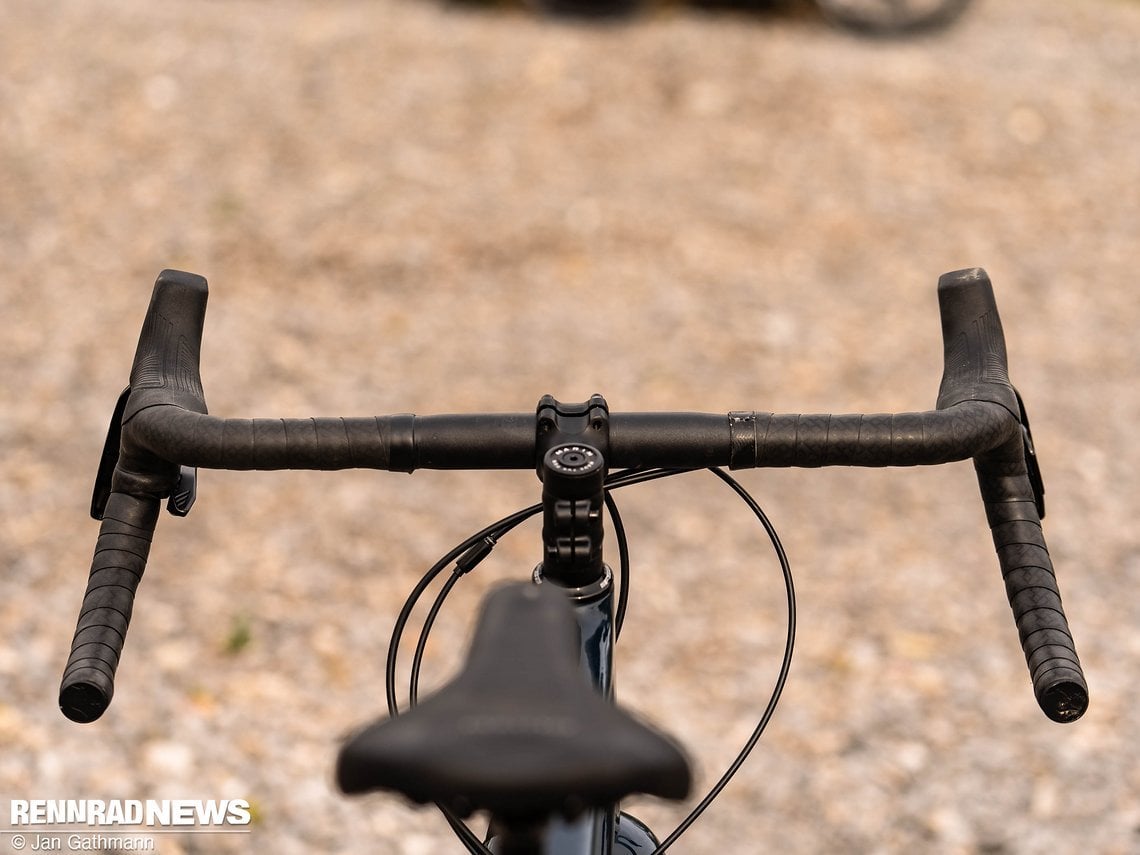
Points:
[(398, 443), (856, 439), (1031, 585), (120, 558)]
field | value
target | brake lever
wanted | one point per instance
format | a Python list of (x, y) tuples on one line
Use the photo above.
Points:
[(181, 497), (109, 459), (1033, 467)]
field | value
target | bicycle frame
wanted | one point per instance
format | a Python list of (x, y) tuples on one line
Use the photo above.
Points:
[(595, 832)]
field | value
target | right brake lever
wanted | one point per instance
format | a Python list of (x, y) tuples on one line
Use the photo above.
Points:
[(1032, 465)]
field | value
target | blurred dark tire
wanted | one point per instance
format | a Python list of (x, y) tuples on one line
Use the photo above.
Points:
[(588, 9), (892, 17)]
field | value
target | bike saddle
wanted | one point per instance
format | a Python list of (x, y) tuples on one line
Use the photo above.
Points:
[(520, 731)]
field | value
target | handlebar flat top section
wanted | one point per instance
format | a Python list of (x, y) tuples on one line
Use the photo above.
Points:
[(166, 425)]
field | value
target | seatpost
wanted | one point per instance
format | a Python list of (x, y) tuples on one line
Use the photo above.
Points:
[(572, 444)]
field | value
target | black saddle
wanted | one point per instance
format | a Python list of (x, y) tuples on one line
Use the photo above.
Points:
[(520, 732)]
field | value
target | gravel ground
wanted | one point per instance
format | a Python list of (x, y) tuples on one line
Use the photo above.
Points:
[(407, 206)]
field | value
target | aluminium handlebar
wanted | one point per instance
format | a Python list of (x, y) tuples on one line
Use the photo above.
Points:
[(165, 426)]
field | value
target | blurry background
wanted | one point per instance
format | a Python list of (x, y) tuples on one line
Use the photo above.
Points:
[(409, 206)]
